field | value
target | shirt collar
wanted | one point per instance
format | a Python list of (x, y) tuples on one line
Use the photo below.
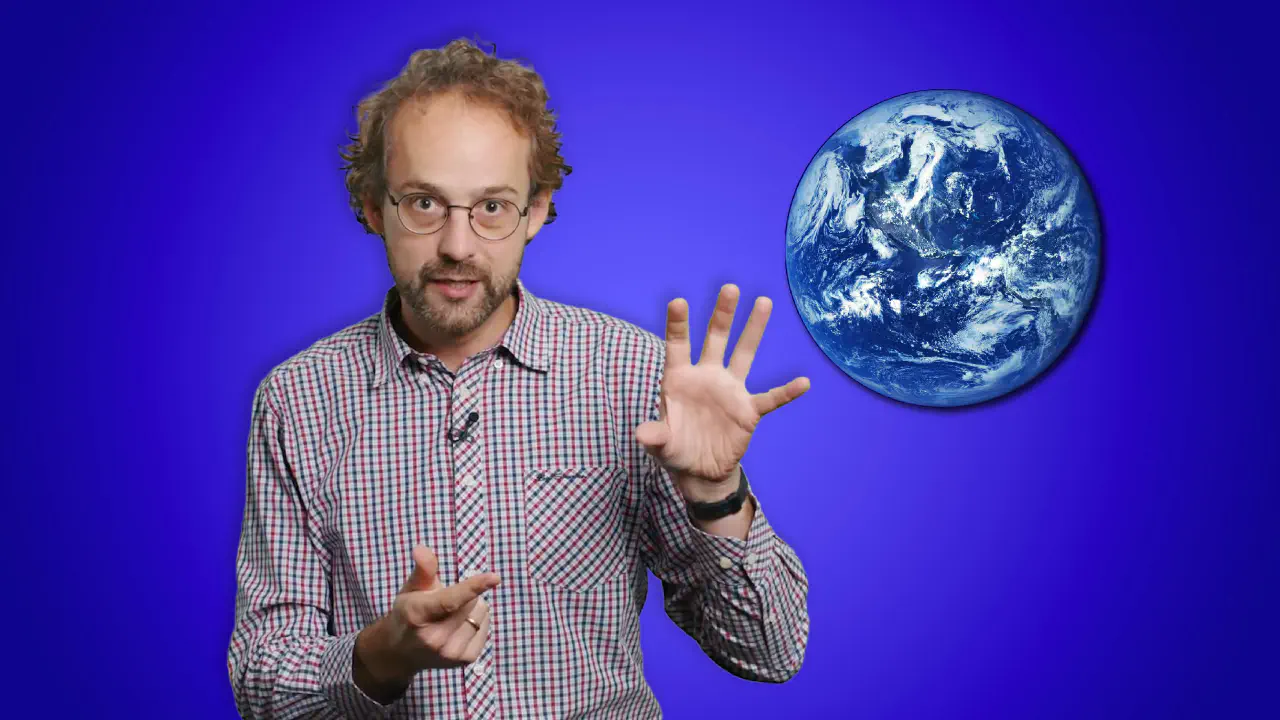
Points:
[(526, 337)]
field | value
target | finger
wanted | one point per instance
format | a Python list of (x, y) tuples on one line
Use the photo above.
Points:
[(720, 325), (419, 611), (767, 402), (440, 604), (425, 572), (461, 639), (475, 610), (677, 333), (653, 434), (745, 351), (476, 645)]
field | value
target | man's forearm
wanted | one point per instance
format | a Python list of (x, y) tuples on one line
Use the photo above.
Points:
[(300, 676), (751, 588)]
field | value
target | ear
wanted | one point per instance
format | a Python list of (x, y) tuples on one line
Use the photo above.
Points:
[(373, 214), (538, 209)]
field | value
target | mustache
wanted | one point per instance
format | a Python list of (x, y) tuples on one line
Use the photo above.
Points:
[(462, 272)]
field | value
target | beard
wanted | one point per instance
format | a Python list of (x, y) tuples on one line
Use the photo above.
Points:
[(456, 318)]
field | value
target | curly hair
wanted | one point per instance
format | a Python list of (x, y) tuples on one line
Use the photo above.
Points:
[(463, 67)]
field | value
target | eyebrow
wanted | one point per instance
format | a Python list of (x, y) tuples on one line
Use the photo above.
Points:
[(436, 190)]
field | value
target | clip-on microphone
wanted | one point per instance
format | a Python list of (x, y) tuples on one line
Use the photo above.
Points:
[(464, 433)]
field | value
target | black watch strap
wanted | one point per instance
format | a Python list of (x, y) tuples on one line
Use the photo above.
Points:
[(720, 508)]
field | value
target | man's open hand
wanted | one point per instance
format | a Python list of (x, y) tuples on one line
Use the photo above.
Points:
[(707, 413)]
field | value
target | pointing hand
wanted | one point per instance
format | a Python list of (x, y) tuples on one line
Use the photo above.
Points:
[(430, 625)]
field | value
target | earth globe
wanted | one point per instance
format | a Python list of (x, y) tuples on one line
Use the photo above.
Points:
[(942, 248)]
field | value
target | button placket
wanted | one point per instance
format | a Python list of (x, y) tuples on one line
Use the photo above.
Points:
[(462, 395), (471, 523)]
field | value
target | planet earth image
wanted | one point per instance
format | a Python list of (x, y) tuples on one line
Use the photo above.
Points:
[(942, 248)]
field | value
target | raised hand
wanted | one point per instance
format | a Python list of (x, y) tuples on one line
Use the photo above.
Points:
[(430, 625), (707, 413)]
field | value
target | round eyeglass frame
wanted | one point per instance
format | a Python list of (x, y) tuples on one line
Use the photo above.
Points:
[(448, 212)]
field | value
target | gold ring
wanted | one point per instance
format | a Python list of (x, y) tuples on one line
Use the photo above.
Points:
[(473, 624)]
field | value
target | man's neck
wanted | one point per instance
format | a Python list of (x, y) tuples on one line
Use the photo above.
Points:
[(453, 351)]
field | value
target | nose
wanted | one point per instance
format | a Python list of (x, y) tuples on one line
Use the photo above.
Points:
[(457, 239)]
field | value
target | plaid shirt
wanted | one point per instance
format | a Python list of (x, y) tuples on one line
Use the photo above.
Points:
[(350, 465)]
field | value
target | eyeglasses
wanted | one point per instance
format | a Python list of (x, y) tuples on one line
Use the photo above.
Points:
[(492, 218)]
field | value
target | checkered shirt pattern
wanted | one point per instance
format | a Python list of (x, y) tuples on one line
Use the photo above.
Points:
[(350, 465)]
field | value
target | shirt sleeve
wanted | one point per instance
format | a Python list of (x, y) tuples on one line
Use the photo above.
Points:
[(282, 660), (743, 601)]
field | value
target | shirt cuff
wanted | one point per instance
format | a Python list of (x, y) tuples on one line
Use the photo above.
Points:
[(339, 684), (735, 561)]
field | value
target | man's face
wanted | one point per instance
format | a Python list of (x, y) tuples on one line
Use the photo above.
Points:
[(454, 150)]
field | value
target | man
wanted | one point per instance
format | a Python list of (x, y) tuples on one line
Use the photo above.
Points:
[(451, 506)]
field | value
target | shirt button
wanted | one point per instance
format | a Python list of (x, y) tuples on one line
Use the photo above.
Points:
[(497, 363), (725, 562), (750, 559), (477, 667), (470, 572), (770, 617), (467, 481)]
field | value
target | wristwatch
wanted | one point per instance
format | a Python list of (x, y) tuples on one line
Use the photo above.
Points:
[(720, 508)]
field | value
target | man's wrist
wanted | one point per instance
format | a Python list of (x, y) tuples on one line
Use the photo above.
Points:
[(374, 669), (701, 490), (737, 525)]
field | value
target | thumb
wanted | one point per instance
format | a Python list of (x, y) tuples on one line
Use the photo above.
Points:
[(653, 434), (425, 570)]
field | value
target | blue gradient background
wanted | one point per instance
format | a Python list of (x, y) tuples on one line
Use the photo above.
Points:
[(1101, 545)]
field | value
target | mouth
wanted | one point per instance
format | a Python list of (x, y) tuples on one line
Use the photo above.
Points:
[(455, 289)]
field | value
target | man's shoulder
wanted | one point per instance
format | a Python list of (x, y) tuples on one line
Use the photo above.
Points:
[(336, 360), (611, 330)]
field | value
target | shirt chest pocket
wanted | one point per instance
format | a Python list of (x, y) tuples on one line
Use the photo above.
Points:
[(574, 525)]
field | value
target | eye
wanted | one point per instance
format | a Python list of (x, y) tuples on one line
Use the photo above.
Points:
[(423, 202), (493, 206)]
